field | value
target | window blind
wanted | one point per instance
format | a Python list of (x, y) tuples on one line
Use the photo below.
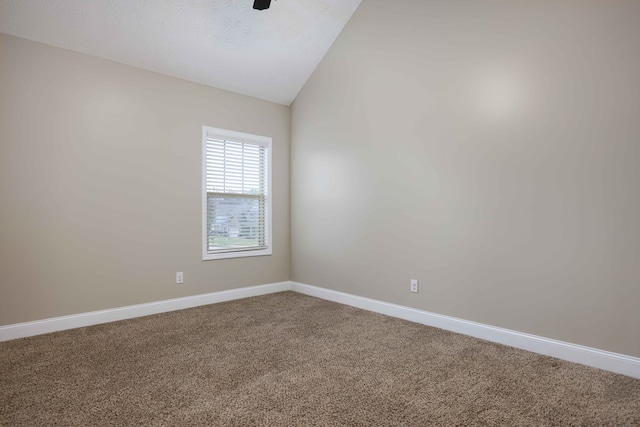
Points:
[(236, 187)]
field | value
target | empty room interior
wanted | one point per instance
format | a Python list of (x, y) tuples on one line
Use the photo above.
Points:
[(320, 212)]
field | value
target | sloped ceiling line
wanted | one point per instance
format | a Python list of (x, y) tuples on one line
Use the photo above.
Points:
[(227, 44)]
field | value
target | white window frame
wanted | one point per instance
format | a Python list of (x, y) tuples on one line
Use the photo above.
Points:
[(208, 132)]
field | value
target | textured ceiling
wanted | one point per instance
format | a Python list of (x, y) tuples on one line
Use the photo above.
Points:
[(268, 54)]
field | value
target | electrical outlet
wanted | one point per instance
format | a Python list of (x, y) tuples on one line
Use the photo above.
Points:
[(179, 277), (414, 285)]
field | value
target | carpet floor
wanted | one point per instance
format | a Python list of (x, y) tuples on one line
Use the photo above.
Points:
[(291, 360)]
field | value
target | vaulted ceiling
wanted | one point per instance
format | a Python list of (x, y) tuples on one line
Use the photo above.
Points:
[(267, 54)]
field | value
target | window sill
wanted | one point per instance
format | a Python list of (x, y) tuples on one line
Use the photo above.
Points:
[(237, 254)]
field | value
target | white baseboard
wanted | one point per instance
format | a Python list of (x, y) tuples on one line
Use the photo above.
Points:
[(27, 329), (614, 362)]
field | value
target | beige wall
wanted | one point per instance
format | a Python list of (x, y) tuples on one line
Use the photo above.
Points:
[(100, 184), (489, 149)]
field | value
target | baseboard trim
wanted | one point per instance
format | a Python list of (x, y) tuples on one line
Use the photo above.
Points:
[(27, 329), (614, 362)]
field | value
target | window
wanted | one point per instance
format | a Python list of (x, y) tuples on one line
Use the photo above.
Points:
[(236, 199)]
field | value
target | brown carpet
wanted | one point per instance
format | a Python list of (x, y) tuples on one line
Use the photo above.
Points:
[(291, 360)]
